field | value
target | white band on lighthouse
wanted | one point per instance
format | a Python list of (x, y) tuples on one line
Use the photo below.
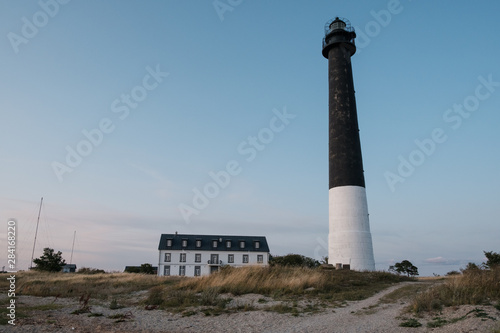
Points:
[(350, 240)]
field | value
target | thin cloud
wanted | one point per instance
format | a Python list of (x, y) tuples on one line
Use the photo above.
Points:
[(442, 261)]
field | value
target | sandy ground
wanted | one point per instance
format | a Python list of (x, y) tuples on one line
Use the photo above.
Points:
[(364, 316)]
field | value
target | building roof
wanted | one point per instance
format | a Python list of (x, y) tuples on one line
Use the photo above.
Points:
[(207, 243)]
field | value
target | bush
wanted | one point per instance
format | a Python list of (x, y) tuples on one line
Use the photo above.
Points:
[(143, 269), (89, 271), (293, 260), (471, 267)]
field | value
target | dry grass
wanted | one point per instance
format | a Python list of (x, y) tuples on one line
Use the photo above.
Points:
[(473, 287), (215, 291), (102, 286), (284, 284), (282, 281)]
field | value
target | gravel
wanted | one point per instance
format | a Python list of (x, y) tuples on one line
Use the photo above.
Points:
[(368, 315)]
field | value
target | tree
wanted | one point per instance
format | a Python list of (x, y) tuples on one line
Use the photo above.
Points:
[(49, 261), (404, 267), (493, 259)]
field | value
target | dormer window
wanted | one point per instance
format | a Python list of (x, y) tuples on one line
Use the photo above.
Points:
[(228, 244), (169, 242), (242, 244), (184, 243), (257, 244), (198, 243), (214, 243)]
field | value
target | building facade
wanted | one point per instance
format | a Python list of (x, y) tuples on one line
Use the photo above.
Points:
[(198, 255)]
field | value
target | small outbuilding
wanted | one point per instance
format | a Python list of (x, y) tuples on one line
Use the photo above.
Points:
[(69, 268)]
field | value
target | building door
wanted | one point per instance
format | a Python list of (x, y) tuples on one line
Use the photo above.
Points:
[(214, 269), (214, 259)]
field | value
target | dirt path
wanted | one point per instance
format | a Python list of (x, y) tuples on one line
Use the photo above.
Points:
[(375, 314)]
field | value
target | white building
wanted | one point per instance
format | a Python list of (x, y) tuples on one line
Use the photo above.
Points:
[(196, 255)]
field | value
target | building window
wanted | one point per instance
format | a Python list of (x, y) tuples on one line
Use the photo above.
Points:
[(197, 270), (245, 258), (257, 244), (230, 258), (198, 243), (182, 257), (169, 242), (182, 270), (260, 258), (228, 244), (214, 243), (168, 257), (184, 243), (242, 244), (197, 257), (166, 270)]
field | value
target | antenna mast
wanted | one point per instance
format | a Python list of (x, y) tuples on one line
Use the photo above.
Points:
[(72, 247), (36, 232)]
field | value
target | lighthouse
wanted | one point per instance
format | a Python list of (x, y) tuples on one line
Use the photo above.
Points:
[(349, 238)]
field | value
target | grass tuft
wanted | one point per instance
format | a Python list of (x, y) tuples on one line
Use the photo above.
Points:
[(437, 322), (412, 322)]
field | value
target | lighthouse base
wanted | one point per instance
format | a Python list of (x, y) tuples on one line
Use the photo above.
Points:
[(349, 238)]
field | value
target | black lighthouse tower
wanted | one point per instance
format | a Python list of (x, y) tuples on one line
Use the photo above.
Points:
[(350, 241)]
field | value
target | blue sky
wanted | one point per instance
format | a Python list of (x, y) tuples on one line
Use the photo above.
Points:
[(171, 91)]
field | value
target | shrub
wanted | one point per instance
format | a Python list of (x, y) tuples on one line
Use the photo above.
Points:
[(470, 267), (293, 260), (410, 323), (89, 271), (155, 296)]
